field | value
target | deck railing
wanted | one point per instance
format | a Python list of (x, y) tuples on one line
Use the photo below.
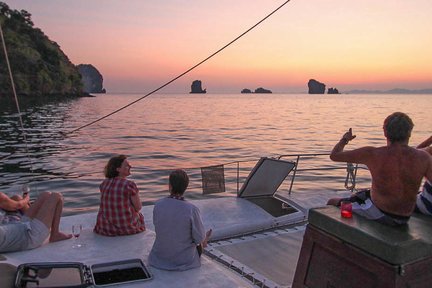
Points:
[(350, 181), (299, 159)]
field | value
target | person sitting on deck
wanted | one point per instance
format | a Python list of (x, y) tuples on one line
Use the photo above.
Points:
[(24, 226), (424, 198), (180, 234), (397, 171), (119, 210)]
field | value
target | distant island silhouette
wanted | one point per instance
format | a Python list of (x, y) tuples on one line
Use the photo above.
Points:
[(259, 90), (316, 87), (333, 91), (196, 87)]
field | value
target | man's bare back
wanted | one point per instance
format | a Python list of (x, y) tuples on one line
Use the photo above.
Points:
[(397, 170)]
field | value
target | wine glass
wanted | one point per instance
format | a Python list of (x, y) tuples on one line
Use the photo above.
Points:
[(25, 190), (76, 232)]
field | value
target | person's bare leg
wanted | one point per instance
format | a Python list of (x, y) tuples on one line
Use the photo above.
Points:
[(56, 235), (47, 209), (37, 205)]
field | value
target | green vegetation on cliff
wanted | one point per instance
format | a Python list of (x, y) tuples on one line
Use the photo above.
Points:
[(39, 66)]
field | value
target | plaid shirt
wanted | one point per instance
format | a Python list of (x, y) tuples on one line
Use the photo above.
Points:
[(116, 214)]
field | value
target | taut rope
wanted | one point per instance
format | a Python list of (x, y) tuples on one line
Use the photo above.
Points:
[(16, 99), (182, 74)]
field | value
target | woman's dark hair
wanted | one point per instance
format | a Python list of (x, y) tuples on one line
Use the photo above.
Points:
[(398, 127), (179, 181), (115, 162)]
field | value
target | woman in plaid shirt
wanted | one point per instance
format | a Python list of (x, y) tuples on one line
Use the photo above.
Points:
[(119, 210)]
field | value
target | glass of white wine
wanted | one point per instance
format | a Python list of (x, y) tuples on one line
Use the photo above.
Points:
[(76, 232), (25, 190)]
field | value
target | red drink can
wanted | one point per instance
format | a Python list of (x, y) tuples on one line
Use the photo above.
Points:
[(346, 209)]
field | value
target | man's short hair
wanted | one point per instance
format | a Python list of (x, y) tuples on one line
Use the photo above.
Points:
[(398, 127), (179, 181)]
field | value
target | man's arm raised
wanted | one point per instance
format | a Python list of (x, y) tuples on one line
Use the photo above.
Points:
[(9, 204), (354, 156), (337, 152), (425, 143)]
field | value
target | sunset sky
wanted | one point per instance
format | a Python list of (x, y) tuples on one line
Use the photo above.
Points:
[(138, 45)]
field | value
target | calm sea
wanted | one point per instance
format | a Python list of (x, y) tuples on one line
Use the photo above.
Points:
[(164, 132)]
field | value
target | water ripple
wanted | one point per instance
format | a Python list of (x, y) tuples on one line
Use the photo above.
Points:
[(167, 132)]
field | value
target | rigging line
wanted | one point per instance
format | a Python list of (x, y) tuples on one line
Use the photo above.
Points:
[(182, 74), (16, 100)]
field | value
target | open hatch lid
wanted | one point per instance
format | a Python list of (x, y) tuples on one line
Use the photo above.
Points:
[(266, 177)]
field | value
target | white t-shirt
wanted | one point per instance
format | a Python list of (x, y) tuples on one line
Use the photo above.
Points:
[(179, 229)]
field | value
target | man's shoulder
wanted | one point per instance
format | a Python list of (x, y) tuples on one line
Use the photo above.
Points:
[(170, 203), (426, 153), (420, 154), (368, 149)]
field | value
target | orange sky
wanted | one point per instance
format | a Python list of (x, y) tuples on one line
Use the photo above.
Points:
[(139, 45)]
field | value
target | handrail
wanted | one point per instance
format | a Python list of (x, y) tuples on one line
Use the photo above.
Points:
[(351, 172)]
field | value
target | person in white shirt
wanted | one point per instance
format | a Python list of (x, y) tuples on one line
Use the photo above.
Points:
[(180, 234), (30, 225)]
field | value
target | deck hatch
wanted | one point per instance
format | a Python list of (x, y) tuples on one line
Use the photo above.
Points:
[(266, 177), (75, 274), (262, 184)]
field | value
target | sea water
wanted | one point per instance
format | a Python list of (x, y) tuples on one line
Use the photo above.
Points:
[(189, 131)]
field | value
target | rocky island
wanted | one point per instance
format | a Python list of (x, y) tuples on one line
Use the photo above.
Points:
[(197, 88), (39, 67), (333, 91), (246, 91), (91, 78), (316, 87), (259, 90), (262, 90)]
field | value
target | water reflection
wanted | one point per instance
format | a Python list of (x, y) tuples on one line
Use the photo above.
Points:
[(186, 131), (43, 120)]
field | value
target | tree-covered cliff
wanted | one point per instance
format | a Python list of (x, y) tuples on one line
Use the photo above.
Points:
[(39, 66)]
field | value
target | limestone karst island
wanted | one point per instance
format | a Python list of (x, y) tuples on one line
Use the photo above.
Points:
[(316, 87), (196, 87), (39, 66)]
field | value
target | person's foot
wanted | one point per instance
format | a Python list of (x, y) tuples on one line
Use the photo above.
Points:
[(59, 236)]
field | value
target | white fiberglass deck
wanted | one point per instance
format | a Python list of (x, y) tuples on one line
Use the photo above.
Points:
[(223, 215), (228, 217)]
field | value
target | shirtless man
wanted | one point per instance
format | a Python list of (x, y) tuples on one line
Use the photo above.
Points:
[(397, 171), (38, 222)]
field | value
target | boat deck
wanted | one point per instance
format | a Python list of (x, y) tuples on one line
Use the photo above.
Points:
[(275, 242)]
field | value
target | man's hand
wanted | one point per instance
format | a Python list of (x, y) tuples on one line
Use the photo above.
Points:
[(348, 136), (207, 237)]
